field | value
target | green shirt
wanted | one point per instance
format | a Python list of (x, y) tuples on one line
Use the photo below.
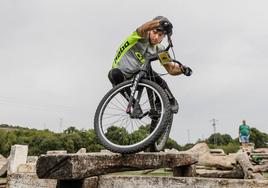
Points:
[(134, 52), (244, 130)]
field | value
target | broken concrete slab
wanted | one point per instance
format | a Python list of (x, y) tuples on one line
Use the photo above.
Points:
[(91, 182), (56, 152), (260, 150), (27, 168), (2, 158), (28, 180), (82, 151), (112, 181), (3, 165), (18, 155), (236, 173), (75, 166), (217, 151), (32, 159)]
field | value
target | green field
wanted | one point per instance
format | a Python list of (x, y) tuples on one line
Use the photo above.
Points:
[(158, 172), (2, 180)]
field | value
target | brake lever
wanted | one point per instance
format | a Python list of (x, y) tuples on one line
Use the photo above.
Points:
[(170, 41)]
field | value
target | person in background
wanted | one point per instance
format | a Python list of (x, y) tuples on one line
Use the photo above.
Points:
[(244, 133)]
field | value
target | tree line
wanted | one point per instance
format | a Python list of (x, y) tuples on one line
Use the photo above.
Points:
[(41, 141), (72, 139)]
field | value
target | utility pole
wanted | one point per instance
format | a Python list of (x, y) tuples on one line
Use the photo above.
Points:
[(60, 127), (214, 130), (188, 134)]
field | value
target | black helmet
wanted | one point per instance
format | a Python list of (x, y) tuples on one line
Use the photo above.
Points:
[(165, 25), (160, 18)]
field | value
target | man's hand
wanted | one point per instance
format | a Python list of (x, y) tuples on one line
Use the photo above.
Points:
[(187, 71)]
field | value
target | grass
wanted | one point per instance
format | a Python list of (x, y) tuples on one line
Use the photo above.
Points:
[(2, 180), (157, 172), (265, 174)]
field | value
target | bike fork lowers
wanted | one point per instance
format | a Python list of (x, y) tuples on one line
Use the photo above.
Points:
[(133, 91)]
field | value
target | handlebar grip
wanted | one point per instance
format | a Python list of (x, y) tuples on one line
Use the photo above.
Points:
[(187, 71)]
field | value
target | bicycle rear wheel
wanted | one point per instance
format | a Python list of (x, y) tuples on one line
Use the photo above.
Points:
[(121, 132)]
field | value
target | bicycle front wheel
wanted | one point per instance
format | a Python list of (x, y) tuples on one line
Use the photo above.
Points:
[(160, 143), (124, 132)]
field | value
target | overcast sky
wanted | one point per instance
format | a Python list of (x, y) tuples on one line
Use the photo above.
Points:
[(55, 56)]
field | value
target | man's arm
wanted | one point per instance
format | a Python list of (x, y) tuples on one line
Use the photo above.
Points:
[(148, 26), (173, 68)]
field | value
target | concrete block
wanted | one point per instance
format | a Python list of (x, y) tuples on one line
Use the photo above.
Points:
[(82, 151), (217, 151), (56, 152), (3, 165), (76, 166), (32, 159), (2, 158), (91, 182), (27, 168), (105, 151), (27, 180), (112, 181), (18, 155), (171, 150)]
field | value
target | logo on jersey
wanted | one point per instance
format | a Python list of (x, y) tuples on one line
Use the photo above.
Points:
[(121, 50)]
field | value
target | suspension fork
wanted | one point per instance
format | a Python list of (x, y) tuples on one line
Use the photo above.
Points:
[(137, 79), (151, 97)]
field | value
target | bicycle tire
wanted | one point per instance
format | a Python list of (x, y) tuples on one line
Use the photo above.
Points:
[(159, 145), (147, 141)]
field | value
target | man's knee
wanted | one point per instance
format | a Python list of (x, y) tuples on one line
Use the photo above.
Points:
[(116, 76)]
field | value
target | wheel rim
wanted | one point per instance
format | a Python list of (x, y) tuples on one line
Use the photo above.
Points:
[(117, 128)]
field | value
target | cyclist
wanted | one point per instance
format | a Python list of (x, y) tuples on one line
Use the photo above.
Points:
[(136, 49)]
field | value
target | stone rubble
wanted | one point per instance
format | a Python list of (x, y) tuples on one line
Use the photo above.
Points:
[(83, 170), (3, 165)]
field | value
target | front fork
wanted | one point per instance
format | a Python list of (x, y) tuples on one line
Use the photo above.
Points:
[(137, 79)]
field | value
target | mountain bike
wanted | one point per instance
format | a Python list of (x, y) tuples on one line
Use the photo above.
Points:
[(136, 114)]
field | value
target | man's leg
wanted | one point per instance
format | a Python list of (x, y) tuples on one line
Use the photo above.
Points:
[(246, 141), (116, 76), (243, 141)]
